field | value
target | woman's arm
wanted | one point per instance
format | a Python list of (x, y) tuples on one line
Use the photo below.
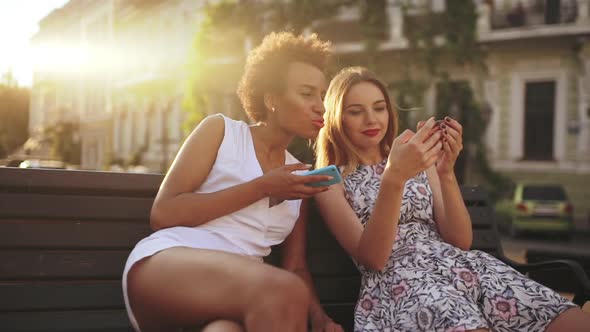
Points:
[(177, 204), (371, 246), (450, 213), (294, 260)]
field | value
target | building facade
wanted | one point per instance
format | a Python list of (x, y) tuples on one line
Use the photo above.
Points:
[(537, 85), (126, 88)]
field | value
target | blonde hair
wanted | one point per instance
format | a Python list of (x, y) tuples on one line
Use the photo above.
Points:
[(332, 146)]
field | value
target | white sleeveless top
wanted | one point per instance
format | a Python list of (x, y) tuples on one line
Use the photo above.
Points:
[(256, 227), (250, 231)]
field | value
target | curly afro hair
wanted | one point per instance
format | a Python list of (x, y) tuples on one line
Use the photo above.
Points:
[(265, 67)]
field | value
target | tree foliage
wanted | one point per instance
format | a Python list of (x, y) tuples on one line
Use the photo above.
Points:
[(14, 115), (64, 139)]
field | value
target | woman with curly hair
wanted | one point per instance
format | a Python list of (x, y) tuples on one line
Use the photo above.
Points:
[(229, 196)]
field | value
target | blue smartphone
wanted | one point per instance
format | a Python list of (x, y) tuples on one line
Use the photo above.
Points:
[(328, 170)]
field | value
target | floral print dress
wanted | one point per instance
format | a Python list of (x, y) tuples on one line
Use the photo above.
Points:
[(430, 285)]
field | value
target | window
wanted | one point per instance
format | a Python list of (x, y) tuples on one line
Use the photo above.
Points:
[(419, 6), (538, 120), (544, 193)]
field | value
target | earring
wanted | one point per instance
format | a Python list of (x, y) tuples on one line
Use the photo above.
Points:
[(273, 109)]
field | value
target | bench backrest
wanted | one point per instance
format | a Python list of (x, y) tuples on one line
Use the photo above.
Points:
[(65, 236), (64, 239)]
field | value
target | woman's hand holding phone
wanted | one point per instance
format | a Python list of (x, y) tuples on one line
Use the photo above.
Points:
[(452, 142), (412, 153), (281, 184), (330, 170)]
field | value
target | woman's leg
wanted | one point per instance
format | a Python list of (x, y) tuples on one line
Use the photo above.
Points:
[(185, 287), (571, 320)]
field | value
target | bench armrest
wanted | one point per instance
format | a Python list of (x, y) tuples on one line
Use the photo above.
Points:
[(582, 293)]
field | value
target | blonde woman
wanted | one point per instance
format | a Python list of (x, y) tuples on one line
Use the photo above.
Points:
[(400, 215)]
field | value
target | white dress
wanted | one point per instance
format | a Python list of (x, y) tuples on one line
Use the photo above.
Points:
[(430, 285), (250, 231)]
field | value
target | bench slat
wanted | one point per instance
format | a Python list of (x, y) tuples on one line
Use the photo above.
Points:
[(66, 321), (79, 182), (319, 237), (52, 264), (74, 206), (337, 289), (71, 234), (485, 240), (330, 263), (60, 295), (474, 195), (342, 313), (66, 295), (481, 216)]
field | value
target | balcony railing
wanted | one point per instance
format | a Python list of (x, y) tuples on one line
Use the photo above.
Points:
[(534, 13)]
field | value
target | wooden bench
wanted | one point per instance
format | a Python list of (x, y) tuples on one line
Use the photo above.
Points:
[(65, 236)]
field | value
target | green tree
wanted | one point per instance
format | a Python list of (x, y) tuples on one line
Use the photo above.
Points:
[(64, 138), (14, 115)]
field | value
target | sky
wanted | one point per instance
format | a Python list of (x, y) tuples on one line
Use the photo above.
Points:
[(18, 23)]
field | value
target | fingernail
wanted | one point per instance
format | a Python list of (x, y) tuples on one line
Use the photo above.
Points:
[(444, 140), (447, 119), (443, 126)]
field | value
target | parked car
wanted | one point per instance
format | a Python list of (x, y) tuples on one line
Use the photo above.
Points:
[(539, 208), (13, 162)]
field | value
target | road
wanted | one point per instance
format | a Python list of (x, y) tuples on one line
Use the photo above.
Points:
[(515, 248)]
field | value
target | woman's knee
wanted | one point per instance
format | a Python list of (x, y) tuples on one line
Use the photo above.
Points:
[(291, 287), (573, 319), (284, 291), (222, 326)]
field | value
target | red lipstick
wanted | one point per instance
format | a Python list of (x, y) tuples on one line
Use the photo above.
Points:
[(371, 132)]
